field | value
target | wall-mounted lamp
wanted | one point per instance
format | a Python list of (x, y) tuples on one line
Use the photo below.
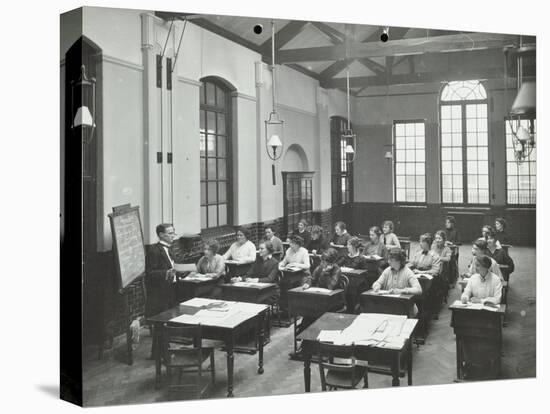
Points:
[(82, 99), (274, 125), (388, 156)]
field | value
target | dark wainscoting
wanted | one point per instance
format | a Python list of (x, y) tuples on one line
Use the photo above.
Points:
[(412, 221)]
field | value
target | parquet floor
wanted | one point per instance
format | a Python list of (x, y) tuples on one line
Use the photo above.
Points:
[(111, 381)]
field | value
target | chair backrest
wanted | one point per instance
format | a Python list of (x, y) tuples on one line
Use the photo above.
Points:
[(181, 341), (343, 283), (405, 243), (327, 353)]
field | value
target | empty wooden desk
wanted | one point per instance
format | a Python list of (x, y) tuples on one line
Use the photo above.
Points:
[(313, 303), (243, 318), (253, 292), (478, 331), (397, 358), (398, 304)]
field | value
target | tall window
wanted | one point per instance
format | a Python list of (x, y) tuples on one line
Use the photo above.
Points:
[(521, 178), (298, 204), (410, 161), (464, 143), (215, 155), (342, 170)]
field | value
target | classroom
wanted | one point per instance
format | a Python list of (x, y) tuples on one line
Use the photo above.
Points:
[(285, 206)]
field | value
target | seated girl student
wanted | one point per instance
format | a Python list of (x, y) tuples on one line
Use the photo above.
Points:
[(211, 264), (296, 256), (375, 247), (498, 253), (500, 234), (317, 244), (243, 250), (302, 231), (439, 246), (327, 275), (486, 229), (341, 235), (354, 259), (426, 261), (388, 236), (484, 286), (264, 270), (479, 248), (398, 278), (450, 229)]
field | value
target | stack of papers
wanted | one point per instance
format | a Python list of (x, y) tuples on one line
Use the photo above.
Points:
[(205, 302), (218, 312), (373, 329), (317, 290)]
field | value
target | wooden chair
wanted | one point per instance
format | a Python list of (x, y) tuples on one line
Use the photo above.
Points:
[(182, 352), (345, 374), (405, 243)]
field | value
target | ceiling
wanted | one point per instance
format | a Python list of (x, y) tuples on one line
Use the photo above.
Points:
[(411, 55)]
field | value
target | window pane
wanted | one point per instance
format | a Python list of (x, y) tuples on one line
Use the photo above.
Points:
[(410, 141), (222, 211), (204, 224), (222, 191), (211, 122), (446, 126), (220, 97), (210, 94), (222, 146), (212, 195), (446, 140), (419, 127), (203, 193), (400, 142), (202, 122), (202, 144), (420, 155), (201, 93), (400, 181), (399, 130), (222, 169), (221, 124), (457, 140), (211, 165), (213, 216), (211, 145), (203, 168)]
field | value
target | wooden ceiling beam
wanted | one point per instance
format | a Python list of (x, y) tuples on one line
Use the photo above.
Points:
[(283, 36), (305, 71), (428, 77), (443, 44), (396, 33), (372, 65), (333, 70), (336, 37), (214, 28)]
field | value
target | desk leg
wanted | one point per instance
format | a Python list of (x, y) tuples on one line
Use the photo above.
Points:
[(157, 333), (229, 345), (395, 371), (409, 363), (261, 323), (307, 372), (295, 344), (458, 360)]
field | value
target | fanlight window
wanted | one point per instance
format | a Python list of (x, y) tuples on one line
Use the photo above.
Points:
[(463, 91)]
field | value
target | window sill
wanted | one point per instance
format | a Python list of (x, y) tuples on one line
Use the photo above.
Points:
[(411, 206)]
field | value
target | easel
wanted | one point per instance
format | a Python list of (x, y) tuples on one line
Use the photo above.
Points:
[(128, 272)]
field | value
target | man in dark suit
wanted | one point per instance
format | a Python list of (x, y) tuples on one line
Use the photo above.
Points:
[(160, 272)]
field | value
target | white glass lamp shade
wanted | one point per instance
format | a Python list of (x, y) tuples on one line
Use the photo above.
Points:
[(274, 142), (83, 117), (523, 135), (526, 100), (349, 149), (388, 155)]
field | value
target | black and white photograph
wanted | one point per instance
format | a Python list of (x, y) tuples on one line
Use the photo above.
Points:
[(276, 206)]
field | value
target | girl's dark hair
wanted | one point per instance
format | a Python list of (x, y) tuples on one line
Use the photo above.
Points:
[(484, 261), (376, 230), (244, 231), (297, 240), (428, 238), (481, 244), (356, 242), (330, 255), (442, 234), (451, 220), (502, 222), (398, 254), (316, 229), (268, 246)]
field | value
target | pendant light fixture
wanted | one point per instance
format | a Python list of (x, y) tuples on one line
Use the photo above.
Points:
[(349, 136), (274, 125)]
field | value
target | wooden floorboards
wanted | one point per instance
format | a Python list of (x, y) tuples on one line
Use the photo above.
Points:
[(111, 381)]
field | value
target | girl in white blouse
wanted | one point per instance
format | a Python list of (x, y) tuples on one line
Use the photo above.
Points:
[(243, 250)]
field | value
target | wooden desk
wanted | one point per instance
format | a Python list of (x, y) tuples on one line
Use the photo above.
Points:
[(289, 280), (395, 358), (228, 331), (311, 304), (357, 284), (234, 269), (191, 288), (395, 305), (478, 341)]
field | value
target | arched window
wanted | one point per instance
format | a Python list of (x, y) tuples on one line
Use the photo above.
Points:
[(215, 154), (464, 143), (342, 170)]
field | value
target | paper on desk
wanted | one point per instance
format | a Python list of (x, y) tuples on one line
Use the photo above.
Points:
[(346, 269), (292, 268), (197, 276), (374, 257), (476, 306), (185, 267), (328, 336), (251, 284), (317, 290), (424, 275), (200, 302)]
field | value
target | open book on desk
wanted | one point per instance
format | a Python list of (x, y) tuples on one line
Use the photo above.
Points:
[(198, 276), (477, 306), (384, 293), (251, 284), (317, 290), (185, 267)]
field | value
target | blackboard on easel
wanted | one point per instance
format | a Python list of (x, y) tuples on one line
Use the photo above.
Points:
[(128, 246), (129, 255)]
